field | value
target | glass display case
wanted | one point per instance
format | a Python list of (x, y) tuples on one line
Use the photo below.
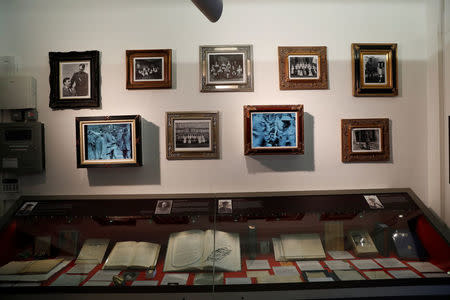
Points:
[(293, 245)]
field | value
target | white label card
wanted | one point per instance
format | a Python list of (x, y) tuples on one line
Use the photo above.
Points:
[(260, 264)]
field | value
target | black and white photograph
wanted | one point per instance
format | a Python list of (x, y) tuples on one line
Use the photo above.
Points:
[(226, 68), (303, 66), (192, 135), (375, 69), (75, 79), (163, 207), (26, 208), (373, 201), (148, 68), (274, 129), (110, 141), (366, 140), (225, 206)]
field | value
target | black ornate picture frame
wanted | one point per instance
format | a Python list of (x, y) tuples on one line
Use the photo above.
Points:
[(74, 79)]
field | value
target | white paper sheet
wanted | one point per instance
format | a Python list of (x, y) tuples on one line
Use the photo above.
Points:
[(338, 265), (400, 274), (22, 284), (390, 263), (286, 271), (259, 264), (81, 269), (175, 278), (97, 283), (238, 280), (375, 275), (69, 280), (145, 283), (365, 264), (424, 267), (436, 275), (348, 275), (320, 279), (104, 275), (309, 265), (341, 255)]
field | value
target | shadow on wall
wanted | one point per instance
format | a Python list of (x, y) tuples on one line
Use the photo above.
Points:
[(148, 174), (287, 163)]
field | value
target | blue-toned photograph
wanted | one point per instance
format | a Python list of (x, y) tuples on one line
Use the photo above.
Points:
[(108, 141), (274, 129)]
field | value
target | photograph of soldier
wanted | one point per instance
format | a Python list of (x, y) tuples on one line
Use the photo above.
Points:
[(148, 69), (303, 66), (108, 141), (366, 140), (75, 80), (225, 206), (163, 207), (273, 129), (374, 69), (26, 208), (226, 68), (192, 135)]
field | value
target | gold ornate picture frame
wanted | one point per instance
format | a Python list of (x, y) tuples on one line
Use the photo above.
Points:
[(303, 68), (375, 70)]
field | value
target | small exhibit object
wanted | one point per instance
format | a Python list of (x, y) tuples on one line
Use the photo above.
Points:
[(26, 208), (175, 279), (363, 244), (373, 201), (92, 251), (69, 280), (145, 283), (17, 92), (317, 277), (258, 264), (302, 246), (285, 271), (334, 235), (163, 207), (365, 140), (227, 68), (132, 255), (374, 70), (104, 275), (348, 275), (403, 274), (68, 242), (278, 279), (341, 255), (194, 250), (42, 246), (303, 68), (365, 264), (97, 283), (424, 266), (252, 243), (224, 206), (81, 269), (108, 141), (257, 274), (338, 265), (149, 69), (238, 280), (382, 238), (192, 135), (408, 245), (390, 263), (208, 278), (273, 129), (375, 275), (278, 250), (309, 265), (74, 79)]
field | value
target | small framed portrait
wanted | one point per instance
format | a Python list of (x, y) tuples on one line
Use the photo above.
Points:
[(373, 201), (375, 70), (74, 79), (303, 68), (365, 140), (109, 141), (224, 206), (149, 69), (226, 68), (26, 208), (192, 135), (273, 129), (163, 207)]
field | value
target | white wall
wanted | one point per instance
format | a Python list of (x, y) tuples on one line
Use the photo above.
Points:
[(113, 26)]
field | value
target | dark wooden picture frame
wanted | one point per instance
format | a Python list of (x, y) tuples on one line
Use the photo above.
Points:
[(303, 68), (273, 129), (375, 70), (365, 140), (149, 69), (227, 68), (192, 135), (74, 79), (108, 141)]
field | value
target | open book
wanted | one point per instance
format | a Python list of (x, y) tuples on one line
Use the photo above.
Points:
[(194, 250), (93, 251), (133, 255), (30, 267)]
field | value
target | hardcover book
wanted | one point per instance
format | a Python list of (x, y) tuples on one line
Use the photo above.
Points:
[(30, 267), (302, 246), (407, 245), (93, 251), (194, 250), (132, 255)]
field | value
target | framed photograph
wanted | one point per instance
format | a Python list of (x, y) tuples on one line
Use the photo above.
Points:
[(224, 206), (375, 70), (192, 135), (373, 201), (109, 141), (365, 140), (74, 79), (226, 68), (149, 69), (273, 129), (163, 207), (26, 209), (303, 68)]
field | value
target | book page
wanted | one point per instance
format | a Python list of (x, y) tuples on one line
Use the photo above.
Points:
[(278, 250), (121, 255), (93, 250), (227, 253), (14, 267), (41, 266), (184, 251), (302, 246), (145, 256)]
